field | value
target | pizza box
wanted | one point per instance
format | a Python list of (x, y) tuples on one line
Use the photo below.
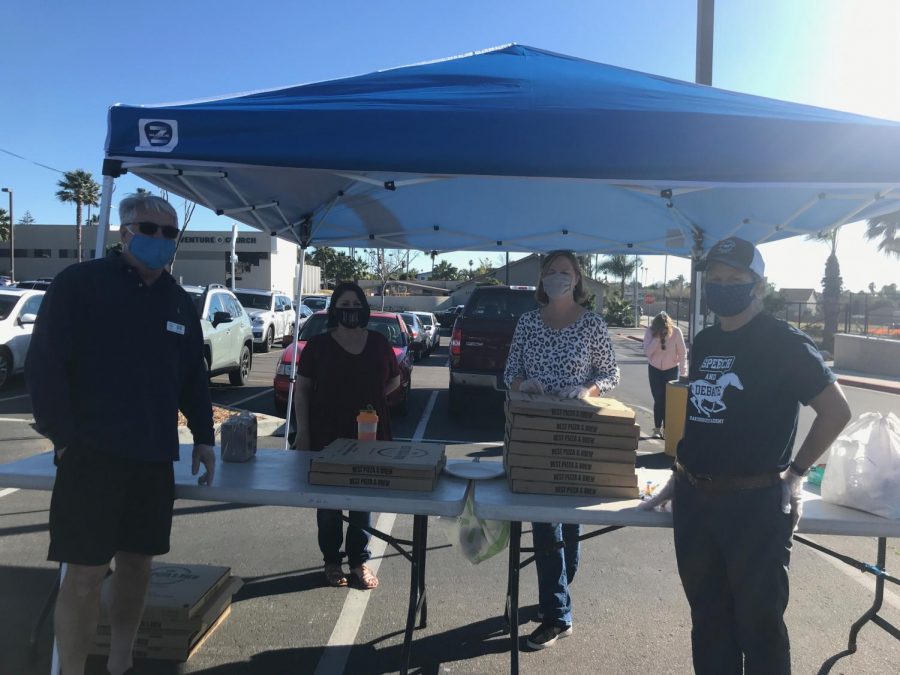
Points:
[(592, 408), (519, 421), (573, 477), (568, 438), (570, 490), (562, 450), (349, 453)]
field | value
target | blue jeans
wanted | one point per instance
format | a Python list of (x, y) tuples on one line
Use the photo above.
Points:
[(556, 569), (331, 536)]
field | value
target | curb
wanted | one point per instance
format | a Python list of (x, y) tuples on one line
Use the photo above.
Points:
[(884, 386), (266, 425)]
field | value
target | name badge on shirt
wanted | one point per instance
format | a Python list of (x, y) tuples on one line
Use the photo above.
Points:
[(174, 327)]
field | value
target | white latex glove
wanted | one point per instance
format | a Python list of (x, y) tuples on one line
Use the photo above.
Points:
[(575, 391), (532, 386), (663, 496), (791, 496), (206, 455)]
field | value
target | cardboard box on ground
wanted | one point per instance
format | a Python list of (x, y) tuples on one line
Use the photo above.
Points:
[(393, 465), (573, 447), (185, 604)]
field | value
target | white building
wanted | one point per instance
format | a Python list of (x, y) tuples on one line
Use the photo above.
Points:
[(264, 261)]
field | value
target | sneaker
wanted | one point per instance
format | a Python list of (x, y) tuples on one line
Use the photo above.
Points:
[(546, 635), (656, 433)]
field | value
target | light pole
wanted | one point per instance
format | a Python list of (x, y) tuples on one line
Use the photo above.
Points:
[(12, 238)]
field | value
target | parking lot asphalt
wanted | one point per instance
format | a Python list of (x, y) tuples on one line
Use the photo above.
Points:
[(630, 613)]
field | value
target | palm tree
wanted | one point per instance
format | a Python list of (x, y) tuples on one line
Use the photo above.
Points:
[(620, 266), (832, 284), (78, 187), (444, 270), (886, 227)]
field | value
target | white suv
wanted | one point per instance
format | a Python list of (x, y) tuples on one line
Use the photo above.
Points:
[(18, 311), (272, 314), (227, 332)]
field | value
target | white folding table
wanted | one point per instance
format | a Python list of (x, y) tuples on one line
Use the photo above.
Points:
[(279, 478), (494, 501)]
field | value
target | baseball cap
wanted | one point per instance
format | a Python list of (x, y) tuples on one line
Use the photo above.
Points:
[(735, 252)]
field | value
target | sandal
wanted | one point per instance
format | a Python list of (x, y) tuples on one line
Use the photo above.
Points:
[(334, 576), (365, 577)]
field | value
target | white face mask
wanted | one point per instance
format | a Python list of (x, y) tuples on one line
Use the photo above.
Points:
[(557, 285)]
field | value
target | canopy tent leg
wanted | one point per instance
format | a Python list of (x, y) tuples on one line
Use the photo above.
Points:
[(298, 300), (105, 207)]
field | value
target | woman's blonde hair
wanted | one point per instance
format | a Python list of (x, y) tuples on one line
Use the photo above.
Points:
[(578, 293)]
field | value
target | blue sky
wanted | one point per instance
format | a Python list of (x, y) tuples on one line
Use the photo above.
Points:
[(63, 64)]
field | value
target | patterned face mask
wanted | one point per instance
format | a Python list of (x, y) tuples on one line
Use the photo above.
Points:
[(349, 317)]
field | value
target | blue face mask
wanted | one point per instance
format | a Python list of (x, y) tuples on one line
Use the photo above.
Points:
[(729, 299), (152, 252)]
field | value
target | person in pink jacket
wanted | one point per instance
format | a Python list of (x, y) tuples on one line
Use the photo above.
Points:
[(666, 360)]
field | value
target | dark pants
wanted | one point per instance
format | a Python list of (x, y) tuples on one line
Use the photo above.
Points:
[(658, 379), (733, 551), (556, 569), (331, 536)]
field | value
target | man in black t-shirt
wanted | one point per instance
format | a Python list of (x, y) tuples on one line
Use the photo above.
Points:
[(735, 491)]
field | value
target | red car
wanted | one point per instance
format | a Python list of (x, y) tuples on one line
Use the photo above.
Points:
[(387, 323)]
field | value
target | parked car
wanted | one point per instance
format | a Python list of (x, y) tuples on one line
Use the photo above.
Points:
[(481, 338), (34, 284), (417, 336), (316, 302), (447, 317), (432, 331), (387, 323), (272, 314), (227, 332), (18, 312)]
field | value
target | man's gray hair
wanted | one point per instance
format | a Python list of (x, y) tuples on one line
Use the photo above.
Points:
[(144, 202)]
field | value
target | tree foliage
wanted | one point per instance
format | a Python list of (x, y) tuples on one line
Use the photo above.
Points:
[(885, 228), (832, 285), (337, 266), (445, 270), (617, 312), (27, 219), (621, 266), (4, 225), (78, 187)]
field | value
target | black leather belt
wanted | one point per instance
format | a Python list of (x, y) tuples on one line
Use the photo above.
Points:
[(727, 483)]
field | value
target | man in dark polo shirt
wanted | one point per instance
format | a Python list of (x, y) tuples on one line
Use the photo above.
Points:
[(116, 352), (735, 491)]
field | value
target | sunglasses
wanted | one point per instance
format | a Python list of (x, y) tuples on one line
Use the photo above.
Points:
[(149, 229)]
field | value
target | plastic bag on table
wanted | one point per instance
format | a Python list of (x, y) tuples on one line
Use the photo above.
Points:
[(478, 539), (863, 469)]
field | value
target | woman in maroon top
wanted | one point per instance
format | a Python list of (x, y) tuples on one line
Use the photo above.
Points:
[(340, 372)]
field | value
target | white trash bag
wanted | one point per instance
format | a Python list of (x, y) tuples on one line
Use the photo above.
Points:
[(478, 539), (863, 470)]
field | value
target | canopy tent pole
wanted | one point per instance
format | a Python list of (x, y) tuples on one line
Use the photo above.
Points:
[(105, 208), (298, 300)]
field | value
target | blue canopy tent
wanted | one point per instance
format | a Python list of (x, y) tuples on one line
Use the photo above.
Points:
[(513, 149)]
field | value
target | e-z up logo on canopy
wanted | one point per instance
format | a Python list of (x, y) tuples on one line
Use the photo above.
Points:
[(157, 135)]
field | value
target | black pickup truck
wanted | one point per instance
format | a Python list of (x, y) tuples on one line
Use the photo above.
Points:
[(481, 337)]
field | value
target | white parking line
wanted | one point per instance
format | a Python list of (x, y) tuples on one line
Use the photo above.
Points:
[(865, 580), (16, 419), (8, 491), (334, 658), (13, 398), (343, 637), (426, 415)]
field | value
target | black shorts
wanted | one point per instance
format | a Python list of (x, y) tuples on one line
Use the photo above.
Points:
[(102, 504)]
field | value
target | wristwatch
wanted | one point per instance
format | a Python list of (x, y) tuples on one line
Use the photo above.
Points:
[(797, 470)]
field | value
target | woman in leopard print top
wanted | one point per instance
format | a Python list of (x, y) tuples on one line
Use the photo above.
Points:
[(562, 349)]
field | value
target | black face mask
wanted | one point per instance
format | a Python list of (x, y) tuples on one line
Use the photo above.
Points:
[(350, 317)]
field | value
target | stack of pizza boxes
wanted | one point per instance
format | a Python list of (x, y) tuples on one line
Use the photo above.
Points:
[(185, 605), (570, 447), (391, 465)]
